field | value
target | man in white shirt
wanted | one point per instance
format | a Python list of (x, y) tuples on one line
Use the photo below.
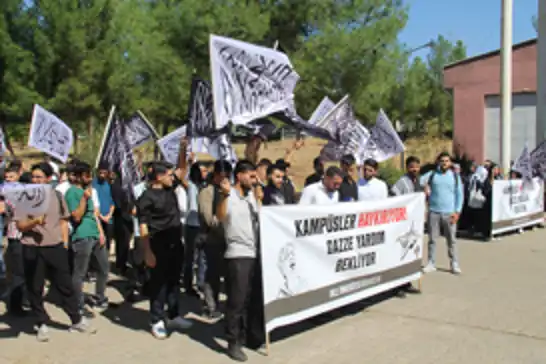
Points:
[(370, 187), (324, 192)]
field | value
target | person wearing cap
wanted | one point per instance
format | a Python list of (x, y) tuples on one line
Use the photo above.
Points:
[(318, 166), (159, 217), (348, 190)]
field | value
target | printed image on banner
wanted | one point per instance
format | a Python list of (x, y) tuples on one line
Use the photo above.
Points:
[(169, 145), (139, 131), (32, 199), (248, 81), (50, 134), (516, 206), (318, 258)]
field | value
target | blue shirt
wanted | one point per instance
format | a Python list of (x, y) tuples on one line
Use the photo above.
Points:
[(446, 194), (104, 192)]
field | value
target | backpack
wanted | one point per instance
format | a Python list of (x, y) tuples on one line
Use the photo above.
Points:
[(431, 178)]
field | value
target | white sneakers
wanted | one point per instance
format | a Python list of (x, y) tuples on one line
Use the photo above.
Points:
[(159, 329), (84, 326), (430, 267)]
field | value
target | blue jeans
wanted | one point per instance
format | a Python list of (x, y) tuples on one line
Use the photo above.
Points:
[(83, 250)]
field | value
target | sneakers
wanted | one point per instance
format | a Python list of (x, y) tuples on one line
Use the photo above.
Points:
[(455, 269), (159, 331), (235, 352), (84, 327), (42, 333), (101, 304), (179, 323), (429, 268)]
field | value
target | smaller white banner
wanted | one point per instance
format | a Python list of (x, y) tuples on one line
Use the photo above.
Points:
[(50, 134), (325, 106), (516, 206), (30, 199)]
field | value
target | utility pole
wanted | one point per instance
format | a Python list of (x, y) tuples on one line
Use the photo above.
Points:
[(541, 73), (506, 85)]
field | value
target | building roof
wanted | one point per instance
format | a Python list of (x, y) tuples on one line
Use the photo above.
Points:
[(490, 54)]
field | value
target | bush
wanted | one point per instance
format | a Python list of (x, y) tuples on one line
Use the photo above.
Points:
[(389, 173)]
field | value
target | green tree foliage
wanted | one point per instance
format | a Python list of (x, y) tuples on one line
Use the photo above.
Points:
[(79, 57)]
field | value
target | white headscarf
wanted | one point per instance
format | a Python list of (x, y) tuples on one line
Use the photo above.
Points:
[(480, 175)]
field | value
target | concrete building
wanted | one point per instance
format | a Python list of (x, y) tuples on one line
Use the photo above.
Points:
[(475, 84)]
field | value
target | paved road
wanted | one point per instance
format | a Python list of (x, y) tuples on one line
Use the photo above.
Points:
[(494, 313)]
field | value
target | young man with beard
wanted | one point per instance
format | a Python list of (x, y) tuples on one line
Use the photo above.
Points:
[(87, 240), (324, 192), (237, 208), (101, 185), (444, 189), (160, 228), (348, 190), (371, 187), (409, 183), (273, 193), (215, 243), (44, 240)]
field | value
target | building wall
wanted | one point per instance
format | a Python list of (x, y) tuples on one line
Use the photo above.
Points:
[(471, 81)]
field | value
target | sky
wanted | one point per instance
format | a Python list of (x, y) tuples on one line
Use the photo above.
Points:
[(476, 22)]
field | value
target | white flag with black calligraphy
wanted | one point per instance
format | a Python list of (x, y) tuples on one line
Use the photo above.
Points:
[(249, 81), (384, 142), (169, 145), (139, 131), (31, 199), (325, 106), (50, 134), (523, 166)]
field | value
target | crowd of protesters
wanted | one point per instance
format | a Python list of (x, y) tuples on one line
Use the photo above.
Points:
[(194, 226)]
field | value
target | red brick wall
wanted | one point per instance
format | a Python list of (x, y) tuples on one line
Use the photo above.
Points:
[(474, 79)]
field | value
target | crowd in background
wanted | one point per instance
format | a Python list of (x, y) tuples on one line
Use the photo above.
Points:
[(196, 225)]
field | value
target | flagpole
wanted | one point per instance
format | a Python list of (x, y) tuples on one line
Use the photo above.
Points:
[(106, 130), (506, 85)]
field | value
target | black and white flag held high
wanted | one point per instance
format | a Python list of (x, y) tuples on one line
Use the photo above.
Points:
[(139, 131), (201, 109), (249, 82)]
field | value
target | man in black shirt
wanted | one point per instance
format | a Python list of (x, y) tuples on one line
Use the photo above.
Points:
[(273, 192), (349, 187), (160, 229), (287, 188), (318, 166)]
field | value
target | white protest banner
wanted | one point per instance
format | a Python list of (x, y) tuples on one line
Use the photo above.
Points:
[(30, 199), (169, 145), (318, 258), (325, 106), (515, 207), (384, 142), (50, 134), (248, 81)]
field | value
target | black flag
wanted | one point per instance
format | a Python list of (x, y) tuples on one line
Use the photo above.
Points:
[(201, 109)]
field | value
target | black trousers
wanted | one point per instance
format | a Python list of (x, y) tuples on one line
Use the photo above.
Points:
[(189, 255), (37, 262), (14, 259), (214, 255), (244, 314), (163, 286), (123, 230), (108, 233)]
